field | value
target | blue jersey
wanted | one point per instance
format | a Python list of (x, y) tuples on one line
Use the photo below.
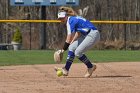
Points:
[(79, 24)]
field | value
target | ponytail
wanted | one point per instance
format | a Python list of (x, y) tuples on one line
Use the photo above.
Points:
[(68, 10)]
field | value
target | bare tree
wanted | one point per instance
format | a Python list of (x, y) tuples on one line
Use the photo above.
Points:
[(91, 9)]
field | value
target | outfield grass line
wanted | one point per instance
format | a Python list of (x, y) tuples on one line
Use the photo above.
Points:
[(31, 57)]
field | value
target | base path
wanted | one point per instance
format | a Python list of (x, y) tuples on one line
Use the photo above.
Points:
[(117, 77)]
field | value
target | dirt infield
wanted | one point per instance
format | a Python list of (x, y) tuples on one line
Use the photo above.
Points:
[(108, 78)]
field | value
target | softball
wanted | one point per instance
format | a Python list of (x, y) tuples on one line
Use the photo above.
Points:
[(59, 73)]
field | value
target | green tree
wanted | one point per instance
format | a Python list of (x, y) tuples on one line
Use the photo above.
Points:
[(17, 36)]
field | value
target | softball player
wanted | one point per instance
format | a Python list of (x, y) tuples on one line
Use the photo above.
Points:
[(81, 36)]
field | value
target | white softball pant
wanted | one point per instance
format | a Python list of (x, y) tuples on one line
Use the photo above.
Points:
[(83, 43)]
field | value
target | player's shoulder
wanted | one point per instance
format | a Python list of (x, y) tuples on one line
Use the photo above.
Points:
[(75, 17), (72, 19)]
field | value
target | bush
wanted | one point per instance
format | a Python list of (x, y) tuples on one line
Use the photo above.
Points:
[(17, 36)]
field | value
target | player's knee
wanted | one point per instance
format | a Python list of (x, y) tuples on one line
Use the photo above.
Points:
[(70, 56), (78, 52)]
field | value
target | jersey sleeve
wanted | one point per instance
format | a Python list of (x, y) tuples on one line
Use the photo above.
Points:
[(71, 24)]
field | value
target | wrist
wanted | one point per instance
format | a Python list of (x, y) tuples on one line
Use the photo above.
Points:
[(66, 45)]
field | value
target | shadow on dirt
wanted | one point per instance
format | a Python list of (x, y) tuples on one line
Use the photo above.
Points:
[(115, 76)]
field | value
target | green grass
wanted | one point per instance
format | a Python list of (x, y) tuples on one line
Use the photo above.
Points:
[(27, 57), (114, 56)]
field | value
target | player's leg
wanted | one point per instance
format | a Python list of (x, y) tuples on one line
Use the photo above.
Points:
[(71, 53), (91, 39)]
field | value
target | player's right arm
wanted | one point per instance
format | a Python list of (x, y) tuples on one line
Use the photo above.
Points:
[(68, 41), (71, 22)]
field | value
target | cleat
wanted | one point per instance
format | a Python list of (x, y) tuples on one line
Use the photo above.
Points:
[(90, 71), (65, 72)]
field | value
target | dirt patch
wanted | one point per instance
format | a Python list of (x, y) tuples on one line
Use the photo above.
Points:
[(108, 78)]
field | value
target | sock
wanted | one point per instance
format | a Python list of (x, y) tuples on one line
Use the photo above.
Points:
[(69, 60), (86, 61)]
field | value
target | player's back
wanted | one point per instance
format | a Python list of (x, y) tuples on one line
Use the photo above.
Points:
[(81, 22)]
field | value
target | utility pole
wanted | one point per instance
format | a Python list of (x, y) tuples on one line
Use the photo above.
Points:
[(43, 28)]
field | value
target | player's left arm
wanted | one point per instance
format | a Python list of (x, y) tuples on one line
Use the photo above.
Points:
[(76, 36), (70, 37)]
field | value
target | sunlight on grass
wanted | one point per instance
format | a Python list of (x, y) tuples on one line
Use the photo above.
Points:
[(27, 57)]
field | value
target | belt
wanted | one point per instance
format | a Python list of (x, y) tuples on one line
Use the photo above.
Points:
[(88, 31)]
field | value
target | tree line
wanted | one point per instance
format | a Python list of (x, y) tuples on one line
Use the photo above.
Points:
[(111, 34)]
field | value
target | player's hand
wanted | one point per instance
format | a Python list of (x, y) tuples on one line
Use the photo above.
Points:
[(60, 51)]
